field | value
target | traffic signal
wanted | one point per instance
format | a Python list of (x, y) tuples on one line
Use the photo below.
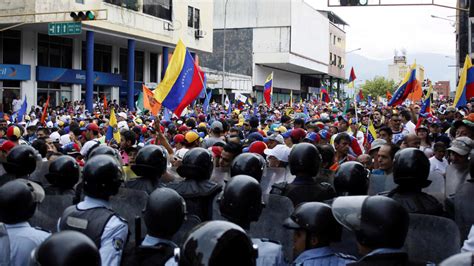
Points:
[(81, 15), (354, 2)]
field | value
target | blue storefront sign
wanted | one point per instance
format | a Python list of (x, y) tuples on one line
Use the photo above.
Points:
[(75, 76), (15, 72)]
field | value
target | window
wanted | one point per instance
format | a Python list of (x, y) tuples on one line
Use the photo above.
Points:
[(330, 58), (102, 57), (139, 60), (11, 41), (153, 67), (193, 17), (130, 4), (54, 51), (158, 8)]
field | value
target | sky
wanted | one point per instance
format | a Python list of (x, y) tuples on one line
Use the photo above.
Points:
[(381, 30)]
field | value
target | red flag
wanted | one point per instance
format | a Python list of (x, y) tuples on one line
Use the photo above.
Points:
[(45, 109), (361, 95), (352, 77), (105, 103), (388, 95)]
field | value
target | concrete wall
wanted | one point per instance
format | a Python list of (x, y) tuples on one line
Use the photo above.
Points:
[(238, 52), (281, 79), (252, 13), (337, 48)]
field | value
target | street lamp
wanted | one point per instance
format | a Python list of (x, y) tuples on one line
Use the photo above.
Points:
[(223, 53), (351, 51)]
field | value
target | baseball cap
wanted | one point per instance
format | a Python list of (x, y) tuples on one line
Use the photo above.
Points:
[(281, 129), (257, 147), (461, 146), (13, 132), (191, 136), (179, 138), (7, 146), (281, 152), (276, 137), (217, 124), (312, 137), (298, 133), (91, 126), (183, 128), (325, 134), (377, 144), (54, 136), (122, 115), (287, 134), (36, 190)]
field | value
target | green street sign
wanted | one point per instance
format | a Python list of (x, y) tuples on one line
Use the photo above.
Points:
[(64, 28)]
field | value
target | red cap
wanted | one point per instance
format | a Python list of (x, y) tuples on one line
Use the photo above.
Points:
[(93, 127), (179, 138), (183, 128), (298, 133), (216, 151), (13, 131), (201, 117), (7, 146), (257, 147)]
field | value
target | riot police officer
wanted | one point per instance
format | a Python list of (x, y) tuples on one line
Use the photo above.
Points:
[(105, 150), (380, 225), (351, 179), (164, 214), (18, 201), (411, 169), (102, 177), (250, 164), (21, 162), (68, 248), (314, 230), (241, 203), (218, 243), (196, 189), (62, 176), (304, 162), (150, 165)]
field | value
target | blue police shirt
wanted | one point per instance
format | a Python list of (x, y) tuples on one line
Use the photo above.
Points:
[(23, 239), (152, 241), (321, 256), (269, 253), (114, 236)]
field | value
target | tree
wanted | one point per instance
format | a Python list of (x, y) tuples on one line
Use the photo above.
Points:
[(378, 87)]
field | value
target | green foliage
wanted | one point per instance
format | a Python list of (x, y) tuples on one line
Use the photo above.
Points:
[(378, 87)]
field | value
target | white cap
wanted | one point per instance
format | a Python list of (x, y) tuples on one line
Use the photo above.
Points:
[(49, 124), (64, 139), (55, 136), (281, 152)]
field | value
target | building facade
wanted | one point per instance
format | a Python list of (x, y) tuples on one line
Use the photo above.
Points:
[(441, 89), (254, 38), (399, 69), (128, 43)]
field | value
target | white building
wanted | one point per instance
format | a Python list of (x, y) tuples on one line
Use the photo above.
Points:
[(287, 37), (399, 69), (38, 64)]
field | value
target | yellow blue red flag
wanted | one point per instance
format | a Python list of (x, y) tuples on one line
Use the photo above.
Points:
[(407, 86), (465, 90), (112, 130)]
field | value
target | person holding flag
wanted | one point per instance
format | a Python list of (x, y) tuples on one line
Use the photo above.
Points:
[(268, 89)]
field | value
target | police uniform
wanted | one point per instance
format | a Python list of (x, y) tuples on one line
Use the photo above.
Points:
[(387, 256), (151, 241), (23, 239), (304, 190), (269, 252), (114, 232), (322, 256)]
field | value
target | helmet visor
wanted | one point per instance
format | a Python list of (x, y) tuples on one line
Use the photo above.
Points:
[(347, 211)]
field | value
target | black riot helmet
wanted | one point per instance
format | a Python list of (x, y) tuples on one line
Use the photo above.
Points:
[(218, 243), (471, 167), (21, 161), (241, 202), (196, 164), (304, 160), (63, 172), (102, 176), (351, 179), (67, 248), (18, 200), (317, 220), (251, 164), (151, 161), (377, 221), (164, 213), (411, 167), (103, 149)]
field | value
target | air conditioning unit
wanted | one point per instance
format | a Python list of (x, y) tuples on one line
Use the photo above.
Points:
[(168, 26), (199, 34)]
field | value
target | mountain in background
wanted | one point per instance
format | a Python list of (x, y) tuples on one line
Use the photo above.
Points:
[(436, 66)]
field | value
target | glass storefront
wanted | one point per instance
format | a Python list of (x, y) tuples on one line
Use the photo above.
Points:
[(10, 42)]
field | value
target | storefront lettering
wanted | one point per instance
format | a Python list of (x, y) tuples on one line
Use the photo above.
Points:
[(80, 76), (3, 71)]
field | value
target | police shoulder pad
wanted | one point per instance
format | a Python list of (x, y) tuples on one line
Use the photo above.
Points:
[(121, 218), (270, 241), (345, 256), (279, 188), (325, 185)]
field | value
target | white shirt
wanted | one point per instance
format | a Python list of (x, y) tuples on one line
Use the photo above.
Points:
[(409, 128), (23, 239), (16, 105), (360, 138), (438, 166)]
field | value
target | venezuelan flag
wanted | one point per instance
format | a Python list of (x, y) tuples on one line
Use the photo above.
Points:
[(112, 130), (407, 86), (183, 81), (465, 89), (426, 107), (325, 96), (352, 78), (268, 89), (371, 133)]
